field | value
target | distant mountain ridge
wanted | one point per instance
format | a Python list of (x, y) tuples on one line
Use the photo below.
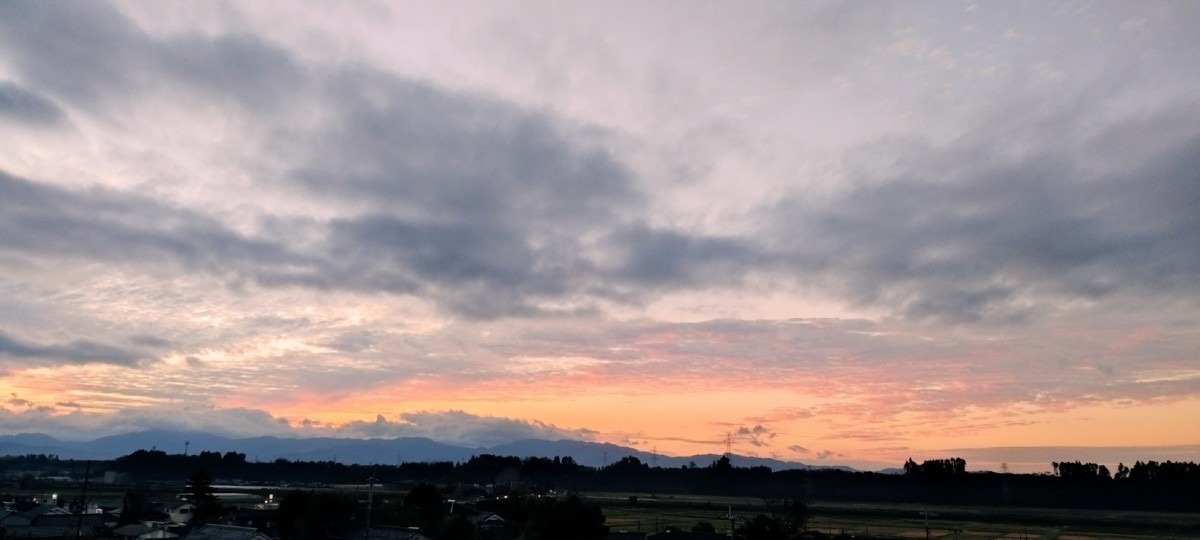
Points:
[(356, 451)]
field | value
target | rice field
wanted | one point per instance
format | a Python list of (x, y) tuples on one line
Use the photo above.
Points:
[(654, 513)]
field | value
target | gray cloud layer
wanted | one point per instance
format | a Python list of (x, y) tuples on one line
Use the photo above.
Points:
[(450, 427), (24, 106), (494, 211), (76, 352), (967, 234)]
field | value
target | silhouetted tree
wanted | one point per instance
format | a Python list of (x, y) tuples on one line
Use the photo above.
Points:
[(424, 507), (458, 528), (201, 494), (944, 468), (1122, 472), (133, 505), (26, 481), (936, 468), (550, 519), (762, 527), (306, 515), (627, 466), (1075, 470), (791, 513)]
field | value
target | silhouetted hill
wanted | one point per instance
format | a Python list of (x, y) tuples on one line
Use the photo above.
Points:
[(32, 443), (361, 451), (601, 454), (584, 453), (31, 439), (171, 442), (353, 451)]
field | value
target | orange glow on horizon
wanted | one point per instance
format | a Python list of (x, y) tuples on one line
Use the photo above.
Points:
[(794, 424)]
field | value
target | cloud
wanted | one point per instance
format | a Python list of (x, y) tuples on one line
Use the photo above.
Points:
[(673, 260), (19, 104), (505, 232), (460, 428), (487, 208), (757, 435), (971, 233), (22, 353), (122, 61), (80, 425), (450, 427), (20, 402), (492, 209), (123, 229), (356, 341)]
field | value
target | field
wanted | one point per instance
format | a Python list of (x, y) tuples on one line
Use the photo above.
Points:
[(652, 513), (656, 512)]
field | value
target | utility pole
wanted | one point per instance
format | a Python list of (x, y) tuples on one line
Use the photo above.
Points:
[(83, 500), (927, 514), (732, 521), (370, 502)]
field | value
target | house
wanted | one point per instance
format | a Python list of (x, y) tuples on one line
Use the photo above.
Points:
[(687, 535), (623, 535), (488, 521), (180, 513), (226, 532), (258, 518), (55, 525), (139, 531), (13, 518), (384, 533)]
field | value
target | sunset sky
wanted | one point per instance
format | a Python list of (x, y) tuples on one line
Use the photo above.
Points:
[(839, 233)]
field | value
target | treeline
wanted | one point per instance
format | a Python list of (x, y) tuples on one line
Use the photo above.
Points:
[(1173, 486), (1149, 472), (1169, 486), (1150, 485), (324, 514)]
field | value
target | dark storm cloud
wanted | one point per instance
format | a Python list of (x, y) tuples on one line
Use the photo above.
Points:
[(27, 107)]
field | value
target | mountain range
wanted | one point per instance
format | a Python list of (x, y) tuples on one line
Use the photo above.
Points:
[(355, 451)]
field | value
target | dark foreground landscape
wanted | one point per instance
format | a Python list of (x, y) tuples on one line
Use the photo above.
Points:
[(214, 495)]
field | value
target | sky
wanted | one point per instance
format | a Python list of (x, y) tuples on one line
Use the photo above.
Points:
[(838, 233)]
